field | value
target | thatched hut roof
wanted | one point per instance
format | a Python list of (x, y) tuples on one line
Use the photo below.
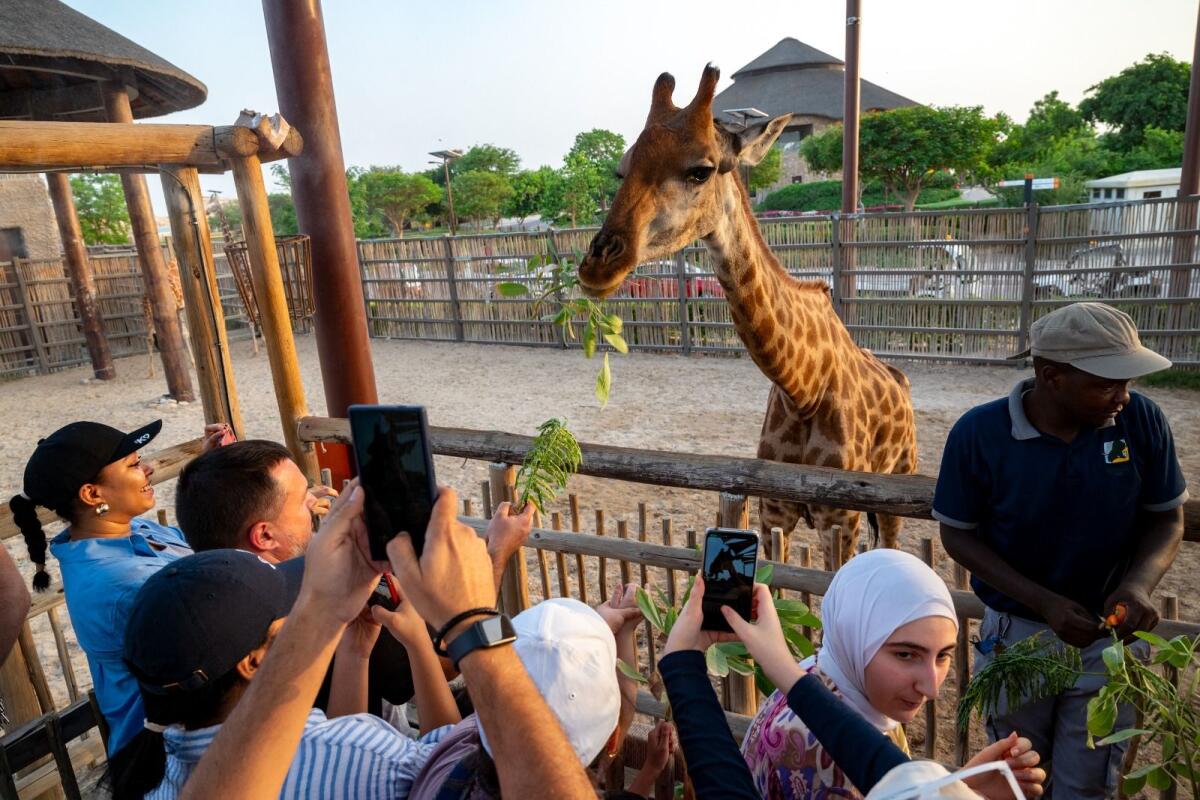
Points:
[(794, 77), (55, 60)]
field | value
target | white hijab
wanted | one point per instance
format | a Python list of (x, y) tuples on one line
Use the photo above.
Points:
[(869, 598)]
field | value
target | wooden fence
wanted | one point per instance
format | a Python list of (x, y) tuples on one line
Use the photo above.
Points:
[(945, 285)]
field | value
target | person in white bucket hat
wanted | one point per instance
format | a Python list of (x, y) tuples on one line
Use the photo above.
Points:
[(1065, 500)]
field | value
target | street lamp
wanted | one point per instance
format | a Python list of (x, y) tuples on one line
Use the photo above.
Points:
[(743, 117), (447, 156)]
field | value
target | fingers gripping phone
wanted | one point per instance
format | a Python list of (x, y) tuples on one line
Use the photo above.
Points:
[(730, 560), (395, 464), (385, 594)]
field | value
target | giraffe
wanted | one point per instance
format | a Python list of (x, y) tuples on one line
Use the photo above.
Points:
[(831, 403)]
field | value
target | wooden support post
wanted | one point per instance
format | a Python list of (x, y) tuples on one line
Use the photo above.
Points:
[(929, 556), (514, 584), (62, 758), (452, 284), (34, 666), (644, 536), (685, 324), (192, 241), (776, 547), (626, 569), (272, 307), (576, 527), (167, 330), (79, 269), (485, 489), (835, 547), (962, 664), (667, 539), (542, 558), (560, 558), (741, 695), (602, 562), (806, 597), (64, 654)]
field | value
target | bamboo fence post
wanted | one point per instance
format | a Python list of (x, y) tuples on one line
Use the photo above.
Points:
[(667, 539), (835, 546), (644, 536), (192, 241), (543, 563), (560, 559), (929, 556), (776, 540), (272, 307), (514, 584), (625, 568), (83, 283), (741, 695), (64, 654), (485, 489), (685, 328), (962, 664), (1025, 318), (602, 563), (806, 597), (35, 326), (576, 527), (452, 284)]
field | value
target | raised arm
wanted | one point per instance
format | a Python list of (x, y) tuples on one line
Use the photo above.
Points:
[(14, 602)]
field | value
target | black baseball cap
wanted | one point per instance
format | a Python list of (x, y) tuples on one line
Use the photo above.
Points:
[(74, 455), (196, 618)]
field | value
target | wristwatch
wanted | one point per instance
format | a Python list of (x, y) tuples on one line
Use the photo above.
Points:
[(487, 632)]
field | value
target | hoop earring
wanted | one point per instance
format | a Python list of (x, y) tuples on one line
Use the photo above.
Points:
[(101, 509)]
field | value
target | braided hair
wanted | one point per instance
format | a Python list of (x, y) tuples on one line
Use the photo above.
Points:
[(24, 511)]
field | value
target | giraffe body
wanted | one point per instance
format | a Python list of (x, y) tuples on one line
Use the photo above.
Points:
[(832, 403)]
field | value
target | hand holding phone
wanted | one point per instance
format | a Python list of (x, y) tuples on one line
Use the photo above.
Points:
[(395, 465), (729, 563)]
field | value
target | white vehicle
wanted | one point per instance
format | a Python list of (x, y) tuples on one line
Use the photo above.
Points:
[(935, 268), (1087, 273)]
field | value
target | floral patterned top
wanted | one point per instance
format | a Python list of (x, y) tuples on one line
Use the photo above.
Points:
[(787, 762)]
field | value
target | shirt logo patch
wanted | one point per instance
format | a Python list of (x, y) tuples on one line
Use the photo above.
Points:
[(1116, 452)]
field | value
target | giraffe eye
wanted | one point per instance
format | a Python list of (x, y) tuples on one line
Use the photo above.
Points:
[(699, 175)]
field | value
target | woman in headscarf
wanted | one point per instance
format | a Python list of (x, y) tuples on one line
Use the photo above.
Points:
[(888, 635), (92, 476)]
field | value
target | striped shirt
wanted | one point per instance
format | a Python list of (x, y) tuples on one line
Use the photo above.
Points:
[(358, 756)]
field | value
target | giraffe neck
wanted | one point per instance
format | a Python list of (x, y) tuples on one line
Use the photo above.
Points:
[(788, 326)]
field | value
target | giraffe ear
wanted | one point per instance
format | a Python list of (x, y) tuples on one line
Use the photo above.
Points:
[(752, 144)]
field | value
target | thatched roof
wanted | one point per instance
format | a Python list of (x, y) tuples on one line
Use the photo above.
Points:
[(54, 60), (794, 77)]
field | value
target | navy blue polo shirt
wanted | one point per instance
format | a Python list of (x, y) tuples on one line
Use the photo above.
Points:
[(1063, 514)]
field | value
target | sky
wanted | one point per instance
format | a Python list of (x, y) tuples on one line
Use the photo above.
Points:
[(412, 77)]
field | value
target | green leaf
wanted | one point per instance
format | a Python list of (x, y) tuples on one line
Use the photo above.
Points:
[(716, 661), (509, 289), (617, 342), (764, 573), (763, 682), (669, 622), (649, 610), (788, 610), (1114, 658), (1101, 715), (1121, 736), (1168, 747), (614, 323), (589, 340), (734, 649), (604, 383), (1133, 785), (631, 672), (740, 665), (1159, 779), (1153, 638)]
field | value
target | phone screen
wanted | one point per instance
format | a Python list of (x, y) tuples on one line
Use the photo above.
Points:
[(395, 464), (730, 560)]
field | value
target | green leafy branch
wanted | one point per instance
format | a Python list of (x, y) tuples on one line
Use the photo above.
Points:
[(548, 465), (725, 657), (558, 281), (1023, 672)]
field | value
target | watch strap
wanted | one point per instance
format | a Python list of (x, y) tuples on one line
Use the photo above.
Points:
[(488, 632)]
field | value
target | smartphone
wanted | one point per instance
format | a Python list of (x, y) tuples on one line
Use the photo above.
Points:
[(730, 560), (395, 464), (385, 594)]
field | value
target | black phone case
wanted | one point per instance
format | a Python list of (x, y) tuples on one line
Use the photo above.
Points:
[(378, 536), (713, 619)]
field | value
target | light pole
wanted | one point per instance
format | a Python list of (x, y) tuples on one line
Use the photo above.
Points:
[(447, 156), (743, 117)]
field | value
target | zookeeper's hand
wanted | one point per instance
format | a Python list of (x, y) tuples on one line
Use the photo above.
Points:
[(507, 531), (1140, 614), (1070, 621)]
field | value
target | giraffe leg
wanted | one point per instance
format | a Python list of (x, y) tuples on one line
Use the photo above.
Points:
[(777, 514), (889, 526)]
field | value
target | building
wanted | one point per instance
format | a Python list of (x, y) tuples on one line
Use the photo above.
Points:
[(794, 77), (1144, 184), (27, 226)]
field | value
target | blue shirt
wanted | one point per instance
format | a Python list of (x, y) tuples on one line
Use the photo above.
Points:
[(101, 577), (1063, 514), (358, 757)]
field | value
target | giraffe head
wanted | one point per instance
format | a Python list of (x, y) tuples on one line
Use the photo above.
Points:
[(673, 181)]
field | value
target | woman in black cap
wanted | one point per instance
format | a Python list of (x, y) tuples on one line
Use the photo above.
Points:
[(92, 476)]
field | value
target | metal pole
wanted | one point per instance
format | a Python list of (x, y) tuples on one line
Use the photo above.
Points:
[(450, 198), (850, 105), (1185, 210), (304, 86)]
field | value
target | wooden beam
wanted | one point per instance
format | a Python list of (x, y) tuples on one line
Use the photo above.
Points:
[(902, 495), (64, 145), (272, 308), (192, 241)]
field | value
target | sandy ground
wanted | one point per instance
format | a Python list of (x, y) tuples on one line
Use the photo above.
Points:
[(705, 405)]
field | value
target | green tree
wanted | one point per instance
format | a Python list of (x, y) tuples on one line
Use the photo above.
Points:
[(529, 191), (480, 158), (100, 206), (767, 172), (902, 148), (1151, 93), (283, 214), (598, 152), (480, 195), (368, 224), (397, 195)]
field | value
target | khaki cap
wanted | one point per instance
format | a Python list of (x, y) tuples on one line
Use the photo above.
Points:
[(1095, 338)]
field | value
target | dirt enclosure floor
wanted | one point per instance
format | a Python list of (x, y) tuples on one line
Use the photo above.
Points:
[(664, 402)]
